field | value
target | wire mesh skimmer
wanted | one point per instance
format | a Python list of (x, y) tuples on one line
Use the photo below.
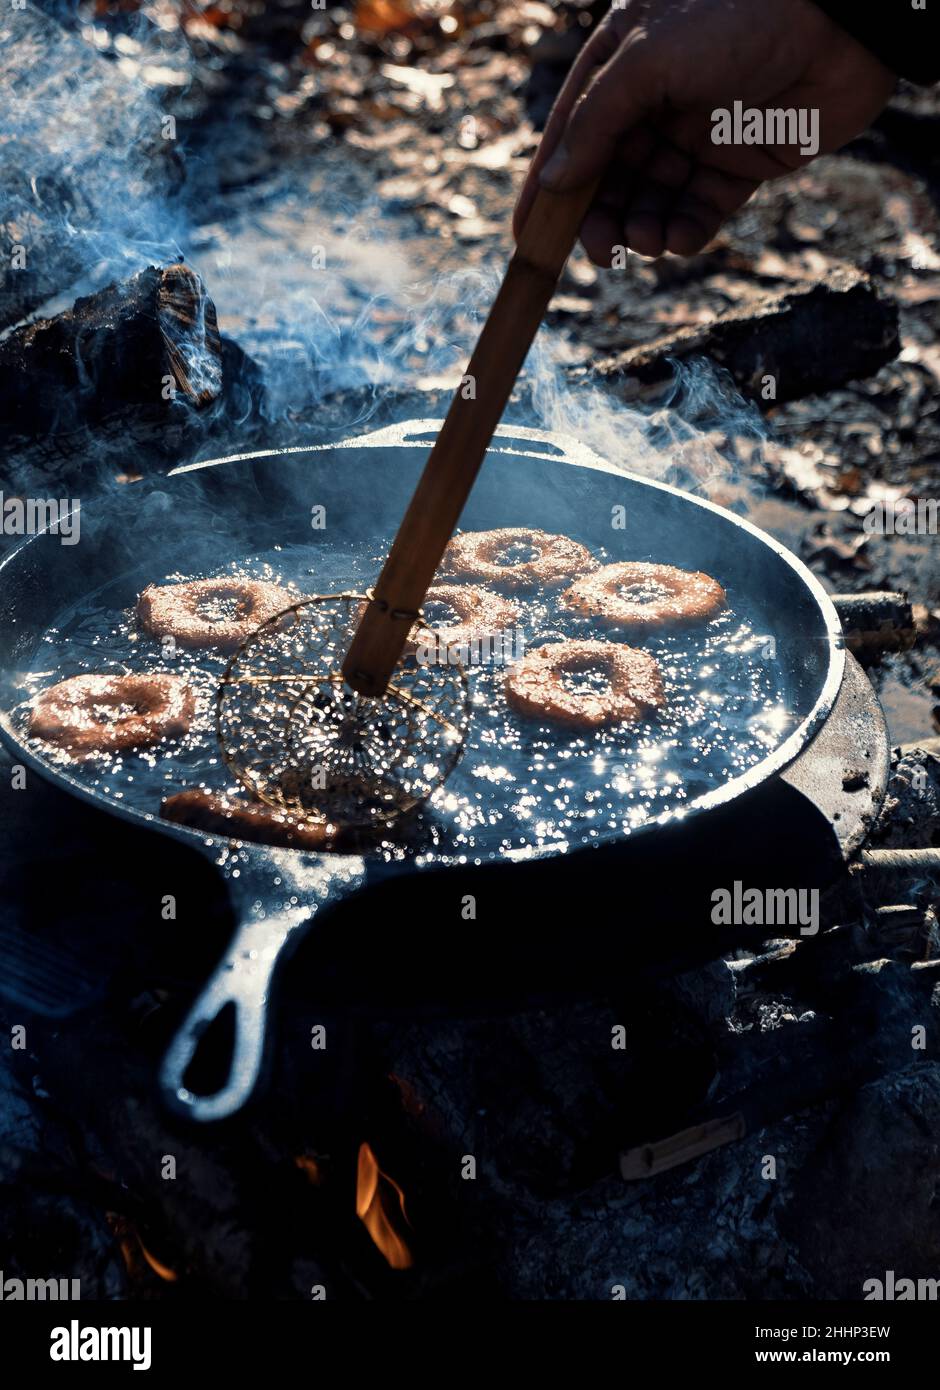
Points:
[(298, 737)]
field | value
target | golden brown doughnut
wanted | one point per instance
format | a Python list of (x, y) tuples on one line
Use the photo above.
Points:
[(475, 555), (638, 595), (178, 610), (480, 615), (634, 688), (110, 713), (240, 819)]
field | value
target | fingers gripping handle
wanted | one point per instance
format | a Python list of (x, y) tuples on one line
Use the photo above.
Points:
[(451, 470)]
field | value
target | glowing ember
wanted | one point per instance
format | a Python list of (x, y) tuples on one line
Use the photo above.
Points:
[(311, 1168)]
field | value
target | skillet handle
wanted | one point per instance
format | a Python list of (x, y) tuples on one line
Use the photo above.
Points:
[(277, 895), (242, 982)]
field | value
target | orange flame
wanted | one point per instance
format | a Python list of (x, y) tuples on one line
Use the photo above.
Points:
[(164, 1271), (132, 1247), (380, 1206)]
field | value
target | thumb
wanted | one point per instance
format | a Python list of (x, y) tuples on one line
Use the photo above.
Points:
[(621, 95)]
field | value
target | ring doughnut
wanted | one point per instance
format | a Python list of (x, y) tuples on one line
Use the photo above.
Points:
[(240, 819), (632, 686), (218, 613), (480, 614), (110, 713), (477, 555), (643, 596)]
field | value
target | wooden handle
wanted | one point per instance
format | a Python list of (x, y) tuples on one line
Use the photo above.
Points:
[(476, 410)]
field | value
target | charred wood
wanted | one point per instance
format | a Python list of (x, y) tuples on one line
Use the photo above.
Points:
[(145, 346), (808, 340)]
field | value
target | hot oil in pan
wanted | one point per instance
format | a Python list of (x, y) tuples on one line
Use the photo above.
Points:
[(521, 785)]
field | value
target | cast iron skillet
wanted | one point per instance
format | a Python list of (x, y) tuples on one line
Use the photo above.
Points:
[(243, 504)]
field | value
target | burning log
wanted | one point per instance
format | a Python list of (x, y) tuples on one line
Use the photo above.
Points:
[(808, 340), (875, 623), (144, 343)]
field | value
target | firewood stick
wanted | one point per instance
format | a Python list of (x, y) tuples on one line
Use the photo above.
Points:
[(476, 409), (917, 863), (876, 622), (646, 1160)]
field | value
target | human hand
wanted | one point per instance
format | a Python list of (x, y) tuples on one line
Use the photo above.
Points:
[(653, 74)]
